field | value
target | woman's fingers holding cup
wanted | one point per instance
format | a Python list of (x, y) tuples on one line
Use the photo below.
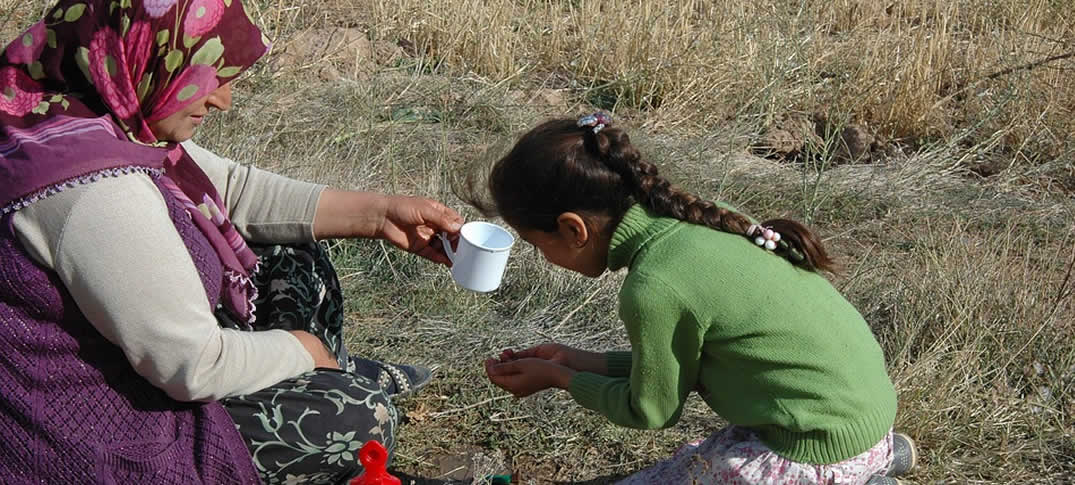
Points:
[(415, 224), (434, 251), (439, 217)]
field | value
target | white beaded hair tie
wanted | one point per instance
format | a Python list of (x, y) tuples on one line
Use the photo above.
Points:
[(764, 236)]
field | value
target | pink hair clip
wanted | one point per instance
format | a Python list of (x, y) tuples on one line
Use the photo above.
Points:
[(764, 236)]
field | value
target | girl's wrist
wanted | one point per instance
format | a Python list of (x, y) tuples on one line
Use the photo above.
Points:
[(586, 361), (565, 376)]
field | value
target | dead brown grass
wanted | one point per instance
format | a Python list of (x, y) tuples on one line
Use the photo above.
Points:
[(913, 69)]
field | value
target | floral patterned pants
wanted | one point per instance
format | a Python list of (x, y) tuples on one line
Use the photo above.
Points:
[(308, 429), (736, 456)]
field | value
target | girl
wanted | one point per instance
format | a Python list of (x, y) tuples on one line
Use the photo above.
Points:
[(712, 303)]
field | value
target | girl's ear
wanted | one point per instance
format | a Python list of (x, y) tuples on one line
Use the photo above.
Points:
[(572, 228)]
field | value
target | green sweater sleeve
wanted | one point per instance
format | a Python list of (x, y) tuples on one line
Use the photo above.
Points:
[(618, 363), (665, 348)]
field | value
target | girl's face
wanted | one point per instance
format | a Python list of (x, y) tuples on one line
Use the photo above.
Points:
[(573, 245)]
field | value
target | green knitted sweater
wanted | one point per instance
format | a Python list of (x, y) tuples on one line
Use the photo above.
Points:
[(767, 345)]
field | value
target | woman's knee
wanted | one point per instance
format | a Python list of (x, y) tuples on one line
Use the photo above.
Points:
[(316, 421), (354, 406)]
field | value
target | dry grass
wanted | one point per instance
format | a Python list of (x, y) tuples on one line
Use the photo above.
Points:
[(913, 69), (966, 280)]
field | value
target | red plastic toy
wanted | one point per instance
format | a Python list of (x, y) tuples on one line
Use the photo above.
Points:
[(374, 459)]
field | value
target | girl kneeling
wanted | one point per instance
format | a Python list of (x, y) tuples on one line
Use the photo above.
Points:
[(712, 303)]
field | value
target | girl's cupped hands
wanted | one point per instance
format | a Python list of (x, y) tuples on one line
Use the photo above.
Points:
[(525, 376), (570, 357)]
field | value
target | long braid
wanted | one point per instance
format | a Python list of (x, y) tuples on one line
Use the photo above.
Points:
[(589, 166), (614, 148)]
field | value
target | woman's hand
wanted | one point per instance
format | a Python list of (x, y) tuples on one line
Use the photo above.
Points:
[(524, 377), (575, 359), (409, 223), (412, 224), (323, 358)]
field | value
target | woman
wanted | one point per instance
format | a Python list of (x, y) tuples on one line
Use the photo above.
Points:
[(128, 294)]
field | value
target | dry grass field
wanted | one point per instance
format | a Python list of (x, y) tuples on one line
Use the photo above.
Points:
[(931, 143)]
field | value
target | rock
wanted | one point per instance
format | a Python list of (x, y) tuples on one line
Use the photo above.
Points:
[(543, 97), (549, 97), (856, 144), (787, 137), (794, 135), (333, 53), (853, 144)]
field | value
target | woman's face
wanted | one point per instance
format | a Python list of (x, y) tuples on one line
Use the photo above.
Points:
[(180, 126)]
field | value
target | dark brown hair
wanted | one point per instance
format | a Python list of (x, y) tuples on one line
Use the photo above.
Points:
[(560, 167)]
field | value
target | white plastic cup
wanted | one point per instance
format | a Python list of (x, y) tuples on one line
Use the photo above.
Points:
[(478, 262)]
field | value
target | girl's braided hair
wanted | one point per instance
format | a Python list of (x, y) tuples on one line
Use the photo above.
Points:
[(565, 165)]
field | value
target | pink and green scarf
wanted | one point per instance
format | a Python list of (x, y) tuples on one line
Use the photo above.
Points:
[(79, 88)]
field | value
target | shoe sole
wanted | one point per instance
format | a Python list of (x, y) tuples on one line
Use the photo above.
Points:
[(902, 468), (881, 480), (415, 387)]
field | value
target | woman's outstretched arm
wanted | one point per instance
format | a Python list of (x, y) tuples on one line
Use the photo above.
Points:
[(409, 223)]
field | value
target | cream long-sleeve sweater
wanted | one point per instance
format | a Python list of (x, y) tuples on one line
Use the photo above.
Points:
[(114, 247)]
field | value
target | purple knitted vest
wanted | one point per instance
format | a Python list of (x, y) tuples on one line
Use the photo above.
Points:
[(74, 411)]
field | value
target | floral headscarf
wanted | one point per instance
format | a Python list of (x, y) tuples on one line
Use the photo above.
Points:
[(79, 88)]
